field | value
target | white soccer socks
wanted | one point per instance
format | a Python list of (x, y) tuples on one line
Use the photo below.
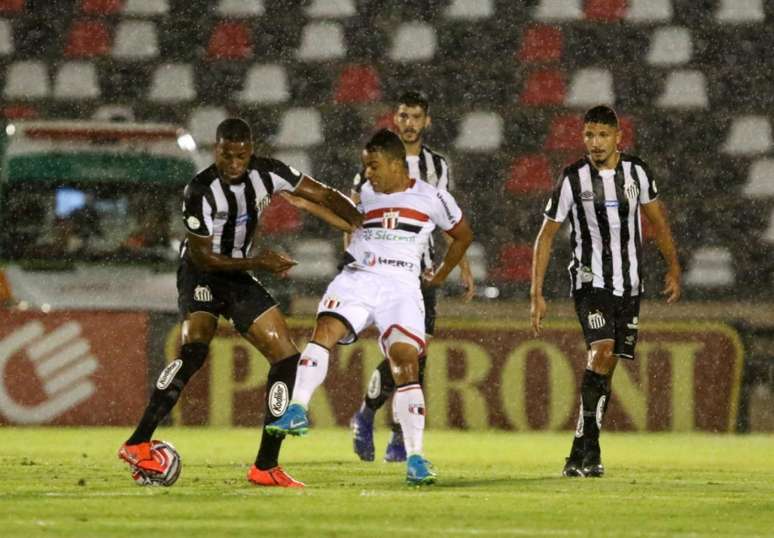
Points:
[(312, 369), (408, 406)]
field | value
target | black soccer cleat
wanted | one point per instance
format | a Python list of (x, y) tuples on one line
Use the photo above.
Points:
[(592, 466), (572, 468)]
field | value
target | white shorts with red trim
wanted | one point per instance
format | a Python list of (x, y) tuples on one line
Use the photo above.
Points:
[(361, 299)]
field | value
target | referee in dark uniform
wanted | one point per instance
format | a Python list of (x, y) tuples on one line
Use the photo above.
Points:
[(602, 195), (221, 208)]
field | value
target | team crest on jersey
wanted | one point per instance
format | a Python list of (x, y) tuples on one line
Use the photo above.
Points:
[(390, 219), (261, 204), (202, 294), (632, 190)]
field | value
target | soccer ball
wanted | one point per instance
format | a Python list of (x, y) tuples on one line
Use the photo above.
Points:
[(165, 454)]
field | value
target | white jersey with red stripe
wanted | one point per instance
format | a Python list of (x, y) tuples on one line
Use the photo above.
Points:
[(397, 228)]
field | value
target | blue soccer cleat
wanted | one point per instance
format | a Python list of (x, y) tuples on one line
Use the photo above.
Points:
[(419, 471), (293, 422), (362, 424), (396, 449)]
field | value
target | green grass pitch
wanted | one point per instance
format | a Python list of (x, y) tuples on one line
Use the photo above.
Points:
[(68, 482)]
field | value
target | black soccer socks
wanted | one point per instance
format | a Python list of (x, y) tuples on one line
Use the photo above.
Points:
[(594, 394), (168, 388), (279, 385)]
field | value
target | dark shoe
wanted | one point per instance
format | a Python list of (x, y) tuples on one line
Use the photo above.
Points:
[(572, 468), (592, 466), (362, 424)]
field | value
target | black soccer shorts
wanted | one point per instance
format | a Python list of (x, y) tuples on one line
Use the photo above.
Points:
[(237, 296), (604, 316)]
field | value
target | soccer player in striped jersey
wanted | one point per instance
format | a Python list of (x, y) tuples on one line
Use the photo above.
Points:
[(602, 196), (379, 284), (221, 208)]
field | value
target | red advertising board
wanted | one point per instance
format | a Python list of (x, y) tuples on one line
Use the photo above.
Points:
[(495, 375), (72, 368)]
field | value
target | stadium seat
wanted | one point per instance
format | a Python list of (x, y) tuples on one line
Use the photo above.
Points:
[(316, 259), (76, 81), (565, 133), (670, 45), (685, 89), (330, 9), (558, 10), (113, 113), (171, 83), (541, 43), (589, 87), (480, 132), (230, 40), (87, 39), (11, 7), (321, 40), (300, 160), (299, 128), (240, 8), (649, 11), (265, 84), (135, 40), (514, 264), (529, 174), (544, 87), (358, 84), (749, 135), (145, 8), (760, 179), (740, 12), (413, 42), (604, 10), (19, 112), (710, 267), (6, 38), (100, 7), (469, 9), (202, 124), (27, 80)]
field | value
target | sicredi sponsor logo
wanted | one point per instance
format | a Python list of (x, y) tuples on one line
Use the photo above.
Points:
[(376, 234)]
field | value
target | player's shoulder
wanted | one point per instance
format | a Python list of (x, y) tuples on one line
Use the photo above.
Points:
[(202, 180), (634, 159), (435, 154), (265, 164), (573, 168)]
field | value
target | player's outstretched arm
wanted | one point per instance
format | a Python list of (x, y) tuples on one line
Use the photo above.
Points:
[(462, 237), (321, 212), (200, 251), (319, 193), (466, 274), (656, 215), (540, 259)]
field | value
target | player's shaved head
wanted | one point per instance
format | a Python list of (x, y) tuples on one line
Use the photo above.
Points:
[(388, 144), (234, 130), (601, 114), (413, 98)]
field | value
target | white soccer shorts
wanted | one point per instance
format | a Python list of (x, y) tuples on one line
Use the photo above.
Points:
[(362, 299)]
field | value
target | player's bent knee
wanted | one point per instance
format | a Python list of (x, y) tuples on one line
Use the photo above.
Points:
[(398, 342)]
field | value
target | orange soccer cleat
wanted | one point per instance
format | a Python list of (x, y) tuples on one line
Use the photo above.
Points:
[(140, 456), (276, 476)]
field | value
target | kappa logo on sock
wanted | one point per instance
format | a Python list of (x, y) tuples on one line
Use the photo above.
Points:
[(579, 425), (635, 324), (374, 385), (278, 398), (600, 411), (417, 409), (202, 294), (331, 303), (168, 374), (596, 320), (307, 361)]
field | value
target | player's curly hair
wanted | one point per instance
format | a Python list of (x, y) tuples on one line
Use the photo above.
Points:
[(388, 143), (601, 114), (234, 130), (414, 98)]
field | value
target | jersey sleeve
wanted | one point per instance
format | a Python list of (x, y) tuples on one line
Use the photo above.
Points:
[(283, 177), (444, 176), (447, 214), (648, 188), (561, 201), (197, 211)]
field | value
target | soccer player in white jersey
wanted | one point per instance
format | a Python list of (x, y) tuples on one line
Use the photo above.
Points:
[(380, 285)]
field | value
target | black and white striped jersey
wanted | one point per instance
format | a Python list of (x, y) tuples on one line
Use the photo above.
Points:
[(605, 228), (229, 213), (430, 167)]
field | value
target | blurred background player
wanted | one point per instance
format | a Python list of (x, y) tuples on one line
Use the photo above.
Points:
[(379, 284), (221, 208), (602, 195), (411, 119)]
